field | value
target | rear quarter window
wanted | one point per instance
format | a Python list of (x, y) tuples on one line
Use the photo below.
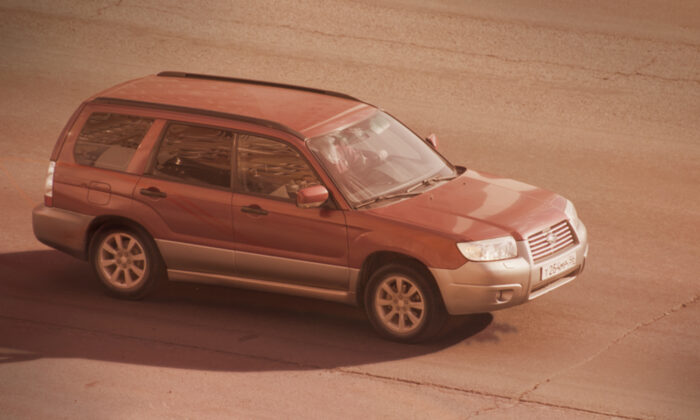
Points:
[(109, 140)]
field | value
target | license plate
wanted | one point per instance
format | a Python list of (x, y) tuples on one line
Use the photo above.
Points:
[(559, 266)]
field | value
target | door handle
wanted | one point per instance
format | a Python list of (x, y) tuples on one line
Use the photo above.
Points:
[(254, 209), (153, 192)]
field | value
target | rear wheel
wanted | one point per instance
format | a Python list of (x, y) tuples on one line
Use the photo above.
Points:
[(126, 262), (403, 304)]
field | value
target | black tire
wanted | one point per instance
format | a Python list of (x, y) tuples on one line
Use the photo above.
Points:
[(126, 262), (403, 304)]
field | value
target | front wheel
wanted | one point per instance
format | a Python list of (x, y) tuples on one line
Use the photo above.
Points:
[(403, 304), (126, 262)]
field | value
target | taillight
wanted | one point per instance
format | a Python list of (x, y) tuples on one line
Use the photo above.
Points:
[(48, 186)]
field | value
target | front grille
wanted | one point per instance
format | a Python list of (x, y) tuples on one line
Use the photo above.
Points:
[(551, 240)]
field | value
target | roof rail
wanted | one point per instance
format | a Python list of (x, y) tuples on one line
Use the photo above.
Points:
[(199, 111), (255, 82)]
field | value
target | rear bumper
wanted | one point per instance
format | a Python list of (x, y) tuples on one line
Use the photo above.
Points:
[(61, 229), (488, 286)]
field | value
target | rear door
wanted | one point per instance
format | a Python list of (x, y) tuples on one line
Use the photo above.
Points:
[(275, 239), (185, 195)]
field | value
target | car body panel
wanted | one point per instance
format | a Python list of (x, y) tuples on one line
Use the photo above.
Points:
[(369, 233), (472, 207), (73, 184), (286, 231), (62, 229), (190, 213)]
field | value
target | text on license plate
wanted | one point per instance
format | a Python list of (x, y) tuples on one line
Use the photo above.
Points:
[(558, 266)]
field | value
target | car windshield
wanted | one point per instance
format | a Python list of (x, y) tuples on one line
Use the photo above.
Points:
[(378, 158)]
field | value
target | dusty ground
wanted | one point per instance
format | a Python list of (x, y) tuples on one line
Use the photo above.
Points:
[(597, 100)]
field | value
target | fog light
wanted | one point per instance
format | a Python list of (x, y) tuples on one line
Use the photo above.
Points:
[(504, 295)]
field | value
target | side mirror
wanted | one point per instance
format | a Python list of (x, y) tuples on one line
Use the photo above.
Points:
[(311, 197), (432, 139)]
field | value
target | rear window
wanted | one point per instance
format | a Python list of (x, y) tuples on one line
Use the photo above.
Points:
[(109, 140)]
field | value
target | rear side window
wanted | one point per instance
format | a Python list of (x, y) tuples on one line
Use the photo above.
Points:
[(110, 140), (195, 155)]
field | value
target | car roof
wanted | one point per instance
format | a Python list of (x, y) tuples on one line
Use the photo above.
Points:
[(302, 111)]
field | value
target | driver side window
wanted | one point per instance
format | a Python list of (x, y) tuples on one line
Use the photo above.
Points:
[(271, 168)]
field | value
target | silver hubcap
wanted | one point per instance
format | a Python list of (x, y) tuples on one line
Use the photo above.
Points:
[(399, 304), (122, 260)]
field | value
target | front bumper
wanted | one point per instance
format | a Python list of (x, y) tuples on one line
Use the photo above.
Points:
[(488, 286), (61, 229)]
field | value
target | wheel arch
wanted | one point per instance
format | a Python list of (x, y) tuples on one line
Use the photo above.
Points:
[(103, 222), (378, 259)]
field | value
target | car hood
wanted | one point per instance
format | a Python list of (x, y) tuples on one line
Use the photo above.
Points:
[(477, 206)]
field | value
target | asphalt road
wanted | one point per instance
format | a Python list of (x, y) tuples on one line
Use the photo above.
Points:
[(596, 100)]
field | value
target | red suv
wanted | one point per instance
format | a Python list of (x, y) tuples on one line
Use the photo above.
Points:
[(296, 190)]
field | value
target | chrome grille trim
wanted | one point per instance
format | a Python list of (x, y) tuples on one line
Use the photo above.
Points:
[(540, 247)]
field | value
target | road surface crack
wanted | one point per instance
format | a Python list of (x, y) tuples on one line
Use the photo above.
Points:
[(400, 43), (600, 74), (524, 396), (496, 406), (499, 400)]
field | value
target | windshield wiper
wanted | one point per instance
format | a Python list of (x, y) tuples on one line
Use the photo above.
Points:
[(408, 192), (387, 197), (431, 181)]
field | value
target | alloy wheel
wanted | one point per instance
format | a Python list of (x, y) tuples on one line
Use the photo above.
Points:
[(122, 260), (399, 304)]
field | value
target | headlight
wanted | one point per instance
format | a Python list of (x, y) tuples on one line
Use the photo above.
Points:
[(570, 210), (489, 250)]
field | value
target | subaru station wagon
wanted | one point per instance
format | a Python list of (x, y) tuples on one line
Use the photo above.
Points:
[(288, 189)]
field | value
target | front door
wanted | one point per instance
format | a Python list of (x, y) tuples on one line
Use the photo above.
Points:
[(275, 239)]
